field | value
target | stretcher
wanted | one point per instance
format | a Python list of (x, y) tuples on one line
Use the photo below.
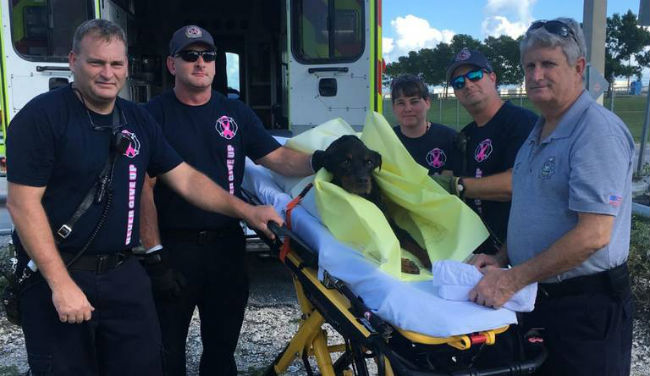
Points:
[(363, 305)]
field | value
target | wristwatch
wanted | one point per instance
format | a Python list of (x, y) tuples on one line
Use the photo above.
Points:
[(460, 186)]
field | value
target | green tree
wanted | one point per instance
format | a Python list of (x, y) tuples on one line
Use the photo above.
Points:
[(503, 54), (625, 39), (433, 63), (394, 69), (444, 54), (460, 41)]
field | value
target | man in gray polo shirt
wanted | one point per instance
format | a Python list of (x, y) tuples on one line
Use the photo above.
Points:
[(569, 223)]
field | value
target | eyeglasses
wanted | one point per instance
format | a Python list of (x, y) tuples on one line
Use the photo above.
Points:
[(458, 82), (191, 55), (556, 27)]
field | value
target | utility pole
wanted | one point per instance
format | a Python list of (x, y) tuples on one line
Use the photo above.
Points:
[(644, 20), (594, 25)]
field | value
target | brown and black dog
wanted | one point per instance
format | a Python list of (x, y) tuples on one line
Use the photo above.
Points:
[(351, 164)]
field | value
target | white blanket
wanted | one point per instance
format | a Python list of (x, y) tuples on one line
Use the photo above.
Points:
[(454, 280), (411, 306)]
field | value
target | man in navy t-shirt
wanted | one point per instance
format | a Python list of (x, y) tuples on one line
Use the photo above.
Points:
[(488, 144), (215, 135), (430, 144), (89, 309)]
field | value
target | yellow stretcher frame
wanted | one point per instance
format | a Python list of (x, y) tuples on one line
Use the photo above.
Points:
[(332, 302), (311, 338)]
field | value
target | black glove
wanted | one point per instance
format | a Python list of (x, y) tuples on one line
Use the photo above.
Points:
[(452, 184), (317, 160), (166, 283)]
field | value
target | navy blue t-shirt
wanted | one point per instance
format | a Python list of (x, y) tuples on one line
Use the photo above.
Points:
[(433, 150), (492, 149), (215, 138), (51, 143)]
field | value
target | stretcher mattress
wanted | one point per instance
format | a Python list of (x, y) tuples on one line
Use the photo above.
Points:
[(414, 306)]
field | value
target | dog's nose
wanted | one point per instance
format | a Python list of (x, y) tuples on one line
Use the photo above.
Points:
[(363, 180)]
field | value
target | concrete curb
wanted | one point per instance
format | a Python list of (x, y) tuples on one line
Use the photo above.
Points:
[(641, 210)]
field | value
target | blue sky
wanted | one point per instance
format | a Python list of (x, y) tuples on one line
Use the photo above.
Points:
[(414, 24)]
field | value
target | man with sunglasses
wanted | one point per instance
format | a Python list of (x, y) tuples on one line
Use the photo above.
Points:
[(488, 145), (569, 225), (430, 144), (88, 309), (214, 134)]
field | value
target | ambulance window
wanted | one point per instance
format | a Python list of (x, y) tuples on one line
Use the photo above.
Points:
[(41, 30), (232, 69), (327, 30)]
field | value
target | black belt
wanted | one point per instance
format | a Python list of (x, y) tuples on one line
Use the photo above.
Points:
[(96, 263), (614, 281), (200, 236)]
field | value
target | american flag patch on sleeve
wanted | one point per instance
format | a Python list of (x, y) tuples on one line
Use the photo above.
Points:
[(614, 200)]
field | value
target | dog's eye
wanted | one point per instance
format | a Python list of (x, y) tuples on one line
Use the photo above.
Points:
[(346, 162), (369, 163)]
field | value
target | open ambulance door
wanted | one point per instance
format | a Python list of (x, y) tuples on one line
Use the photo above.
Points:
[(108, 10), (333, 60), (35, 42)]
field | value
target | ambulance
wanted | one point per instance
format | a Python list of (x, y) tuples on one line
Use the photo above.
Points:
[(296, 63)]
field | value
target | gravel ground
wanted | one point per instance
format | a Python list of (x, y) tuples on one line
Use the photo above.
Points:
[(271, 320)]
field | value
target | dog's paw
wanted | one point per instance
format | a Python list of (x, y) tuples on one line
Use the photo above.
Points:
[(409, 267)]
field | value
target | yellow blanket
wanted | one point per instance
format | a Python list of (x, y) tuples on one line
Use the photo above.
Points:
[(439, 222)]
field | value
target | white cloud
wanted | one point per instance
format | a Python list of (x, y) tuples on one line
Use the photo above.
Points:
[(387, 45), (521, 8), (413, 34), (498, 25), (507, 17)]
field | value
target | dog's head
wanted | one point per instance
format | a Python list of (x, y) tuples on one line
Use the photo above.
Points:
[(351, 163)]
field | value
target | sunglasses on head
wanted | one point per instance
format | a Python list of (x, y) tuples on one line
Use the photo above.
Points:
[(192, 55), (458, 82), (558, 28)]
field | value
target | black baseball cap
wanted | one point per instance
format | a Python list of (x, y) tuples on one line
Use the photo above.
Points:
[(187, 35), (468, 57)]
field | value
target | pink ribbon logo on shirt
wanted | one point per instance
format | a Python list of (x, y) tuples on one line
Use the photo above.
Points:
[(227, 127), (483, 150), (134, 144), (436, 158)]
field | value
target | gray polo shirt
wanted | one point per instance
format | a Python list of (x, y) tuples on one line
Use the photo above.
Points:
[(584, 166)]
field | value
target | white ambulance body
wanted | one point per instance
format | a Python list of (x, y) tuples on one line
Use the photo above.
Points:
[(296, 63)]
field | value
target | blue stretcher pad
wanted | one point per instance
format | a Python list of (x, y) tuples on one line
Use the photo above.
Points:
[(412, 306)]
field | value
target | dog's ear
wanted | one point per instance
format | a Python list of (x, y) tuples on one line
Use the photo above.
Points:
[(329, 161), (376, 159)]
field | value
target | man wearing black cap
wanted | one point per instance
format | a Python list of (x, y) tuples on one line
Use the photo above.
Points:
[(214, 134), (488, 144)]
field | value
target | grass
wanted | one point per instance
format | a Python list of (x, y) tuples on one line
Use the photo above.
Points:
[(639, 261), (631, 109), (9, 371)]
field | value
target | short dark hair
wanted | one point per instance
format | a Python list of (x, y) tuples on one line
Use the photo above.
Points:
[(100, 28), (408, 85)]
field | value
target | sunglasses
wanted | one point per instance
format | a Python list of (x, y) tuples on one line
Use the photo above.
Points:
[(458, 82), (191, 55), (558, 28)]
